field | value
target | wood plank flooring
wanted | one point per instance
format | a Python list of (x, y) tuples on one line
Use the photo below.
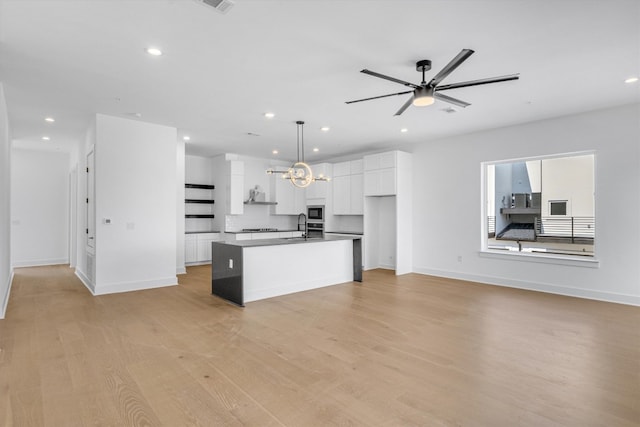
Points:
[(393, 351)]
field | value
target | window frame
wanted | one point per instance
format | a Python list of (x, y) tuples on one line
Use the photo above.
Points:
[(536, 257)]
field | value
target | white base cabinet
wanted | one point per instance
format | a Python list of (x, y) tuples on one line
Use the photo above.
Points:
[(229, 237), (198, 247)]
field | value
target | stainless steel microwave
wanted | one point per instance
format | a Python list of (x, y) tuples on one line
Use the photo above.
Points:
[(315, 213)]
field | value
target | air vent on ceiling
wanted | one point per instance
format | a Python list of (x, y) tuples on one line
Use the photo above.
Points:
[(221, 6)]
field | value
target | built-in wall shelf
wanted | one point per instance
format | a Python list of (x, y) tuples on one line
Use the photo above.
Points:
[(201, 186), (203, 201), (198, 206)]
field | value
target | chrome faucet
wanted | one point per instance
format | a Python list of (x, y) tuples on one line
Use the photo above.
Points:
[(304, 224)]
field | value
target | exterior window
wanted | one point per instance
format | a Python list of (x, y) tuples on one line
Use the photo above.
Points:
[(557, 207), (543, 205)]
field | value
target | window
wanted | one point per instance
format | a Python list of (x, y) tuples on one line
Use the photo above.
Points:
[(558, 207), (540, 206)]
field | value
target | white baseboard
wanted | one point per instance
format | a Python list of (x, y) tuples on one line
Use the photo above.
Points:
[(191, 264), (182, 270), (114, 288), (534, 286), (40, 262), (85, 281), (5, 299)]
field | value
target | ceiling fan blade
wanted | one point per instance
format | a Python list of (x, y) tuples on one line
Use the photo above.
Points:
[(377, 97), (452, 65), (479, 82), (451, 100), (393, 79), (404, 107)]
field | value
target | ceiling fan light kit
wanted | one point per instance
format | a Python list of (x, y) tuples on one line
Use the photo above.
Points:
[(300, 173), (425, 93), (423, 97)]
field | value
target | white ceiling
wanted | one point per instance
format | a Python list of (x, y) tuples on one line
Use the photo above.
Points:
[(301, 60)]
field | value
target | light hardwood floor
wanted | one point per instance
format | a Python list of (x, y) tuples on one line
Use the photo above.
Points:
[(393, 351)]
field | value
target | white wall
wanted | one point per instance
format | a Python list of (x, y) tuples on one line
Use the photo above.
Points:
[(135, 188), (448, 210), (6, 271), (380, 229), (575, 174), (39, 207)]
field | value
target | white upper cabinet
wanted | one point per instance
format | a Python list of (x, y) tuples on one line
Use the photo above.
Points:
[(348, 188), (320, 189), (289, 198), (380, 174), (235, 200)]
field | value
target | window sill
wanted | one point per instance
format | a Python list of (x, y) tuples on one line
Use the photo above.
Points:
[(575, 261)]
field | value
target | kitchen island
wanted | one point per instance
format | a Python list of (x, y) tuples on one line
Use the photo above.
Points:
[(251, 270)]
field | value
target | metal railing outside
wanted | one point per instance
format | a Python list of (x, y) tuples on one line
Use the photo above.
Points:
[(573, 227), (491, 224)]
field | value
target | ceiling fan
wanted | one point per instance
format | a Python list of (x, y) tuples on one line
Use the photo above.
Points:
[(425, 93)]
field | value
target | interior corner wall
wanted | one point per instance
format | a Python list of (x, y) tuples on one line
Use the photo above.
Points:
[(39, 207), (448, 211), (85, 258), (180, 208), (6, 271), (135, 196), (404, 214)]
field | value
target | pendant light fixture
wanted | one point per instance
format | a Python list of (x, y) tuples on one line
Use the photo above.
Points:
[(300, 174)]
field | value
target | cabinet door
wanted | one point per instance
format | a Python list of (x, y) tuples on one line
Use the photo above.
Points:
[(372, 183), (204, 250), (356, 166), (342, 169), (357, 194), (387, 160), (190, 249), (284, 196), (387, 181), (341, 193), (371, 162), (236, 189)]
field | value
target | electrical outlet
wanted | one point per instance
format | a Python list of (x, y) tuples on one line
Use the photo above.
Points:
[(459, 258), (231, 263)]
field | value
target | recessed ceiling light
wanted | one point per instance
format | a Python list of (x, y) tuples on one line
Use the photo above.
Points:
[(325, 128), (274, 152), (269, 115), (46, 138), (49, 119), (154, 51), (315, 150), (631, 80), (404, 130), (186, 138)]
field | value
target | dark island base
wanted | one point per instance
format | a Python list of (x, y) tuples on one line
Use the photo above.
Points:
[(227, 270)]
